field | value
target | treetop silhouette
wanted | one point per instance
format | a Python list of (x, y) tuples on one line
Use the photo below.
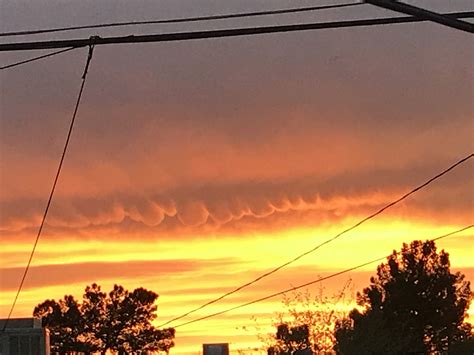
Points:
[(414, 304), (119, 321)]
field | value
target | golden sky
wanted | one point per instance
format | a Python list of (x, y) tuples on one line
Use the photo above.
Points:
[(197, 166)]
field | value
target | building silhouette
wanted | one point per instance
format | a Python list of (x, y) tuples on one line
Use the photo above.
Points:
[(24, 336), (215, 349)]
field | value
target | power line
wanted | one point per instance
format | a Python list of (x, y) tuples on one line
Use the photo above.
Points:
[(181, 20), (423, 13), (371, 216), (235, 32), (48, 204), (309, 283), (36, 58)]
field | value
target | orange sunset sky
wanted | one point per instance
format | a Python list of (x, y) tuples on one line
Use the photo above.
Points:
[(197, 166)]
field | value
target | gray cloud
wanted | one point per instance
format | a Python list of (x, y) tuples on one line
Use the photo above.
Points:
[(402, 78)]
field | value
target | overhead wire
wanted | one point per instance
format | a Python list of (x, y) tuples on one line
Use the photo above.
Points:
[(182, 20), (330, 240), (53, 188), (208, 34), (36, 58), (280, 293)]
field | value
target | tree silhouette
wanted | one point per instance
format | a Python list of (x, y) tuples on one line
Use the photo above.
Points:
[(290, 340), (413, 305), (119, 322)]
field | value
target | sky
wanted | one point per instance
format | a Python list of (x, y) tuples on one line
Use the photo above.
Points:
[(196, 166)]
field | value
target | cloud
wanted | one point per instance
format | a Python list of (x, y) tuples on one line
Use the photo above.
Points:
[(266, 108), (87, 272), (252, 204)]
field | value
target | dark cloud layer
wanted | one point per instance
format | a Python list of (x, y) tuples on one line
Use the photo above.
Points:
[(387, 78)]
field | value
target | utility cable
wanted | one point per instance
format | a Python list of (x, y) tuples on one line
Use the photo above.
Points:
[(48, 204), (423, 13), (181, 20), (226, 33), (36, 58), (371, 216), (310, 282)]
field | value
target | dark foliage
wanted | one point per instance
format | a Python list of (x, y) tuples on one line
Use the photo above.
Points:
[(290, 340), (413, 305), (119, 321)]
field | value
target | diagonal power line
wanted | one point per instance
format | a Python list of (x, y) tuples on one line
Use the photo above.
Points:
[(280, 293), (36, 58), (330, 240), (182, 20), (53, 188)]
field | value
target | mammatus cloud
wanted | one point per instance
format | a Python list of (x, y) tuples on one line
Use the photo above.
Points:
[(155, 211), (222, 205)]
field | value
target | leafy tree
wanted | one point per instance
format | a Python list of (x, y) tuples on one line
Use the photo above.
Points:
[(414, 304), (306, 323), (119, 322), (69, 336)]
